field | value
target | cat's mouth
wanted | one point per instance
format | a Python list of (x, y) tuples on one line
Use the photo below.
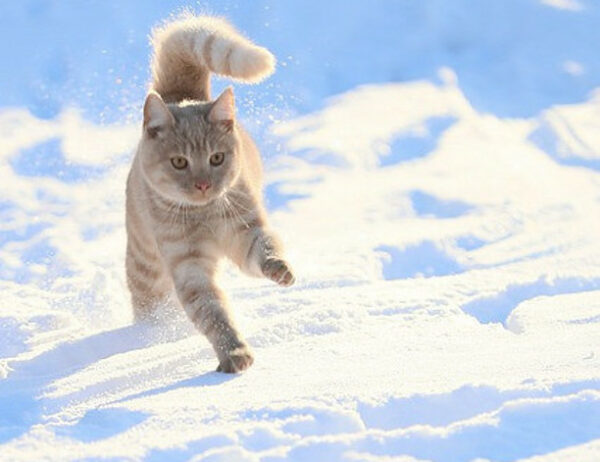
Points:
[(202, 200), (204, 197)]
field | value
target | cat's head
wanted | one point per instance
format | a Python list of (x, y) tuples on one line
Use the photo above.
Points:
[(190, 152)]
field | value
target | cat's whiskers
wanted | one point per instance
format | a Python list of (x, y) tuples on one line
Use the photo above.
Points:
[(171, 212), (236, 214), (239, 205), (224, 209), (206, 223), (247, 208), (240, 194), (228, 214), (178, 215), (185, 214)]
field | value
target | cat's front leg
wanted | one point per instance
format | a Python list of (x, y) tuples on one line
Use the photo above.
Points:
[(207, 307), (259, 252), (278, 270)]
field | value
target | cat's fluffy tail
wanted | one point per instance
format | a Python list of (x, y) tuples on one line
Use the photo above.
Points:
[(186, 51)]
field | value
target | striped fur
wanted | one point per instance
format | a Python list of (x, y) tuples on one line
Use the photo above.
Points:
[(177, 233), (187, 51)]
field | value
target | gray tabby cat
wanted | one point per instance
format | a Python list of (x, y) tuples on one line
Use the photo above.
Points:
[(194, 190)]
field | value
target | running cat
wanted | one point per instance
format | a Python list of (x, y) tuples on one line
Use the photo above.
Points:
[(194, 191)]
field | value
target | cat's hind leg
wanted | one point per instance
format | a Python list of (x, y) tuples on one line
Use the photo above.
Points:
[(148, 282)]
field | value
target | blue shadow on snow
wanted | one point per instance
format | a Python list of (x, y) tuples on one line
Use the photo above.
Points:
[(414, 146), (277, 199), (425, 259), (99, 424), (497, 308), (429, 206)]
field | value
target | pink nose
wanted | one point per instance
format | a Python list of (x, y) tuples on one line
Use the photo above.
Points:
[(202, 185)]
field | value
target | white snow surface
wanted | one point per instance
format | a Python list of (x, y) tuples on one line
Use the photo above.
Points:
[(447, 306)]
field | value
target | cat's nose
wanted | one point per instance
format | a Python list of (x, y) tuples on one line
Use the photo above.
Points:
[(202, 185)]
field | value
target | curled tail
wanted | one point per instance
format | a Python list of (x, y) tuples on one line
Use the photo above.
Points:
[(188, 50)]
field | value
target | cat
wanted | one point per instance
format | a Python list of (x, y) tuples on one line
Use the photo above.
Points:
[(194, 191)]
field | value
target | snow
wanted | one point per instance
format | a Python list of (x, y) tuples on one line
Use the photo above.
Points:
[(438, 190)]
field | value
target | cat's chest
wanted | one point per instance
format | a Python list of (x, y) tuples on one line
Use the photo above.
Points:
[(209, 228), (208, 238), (215, 229)]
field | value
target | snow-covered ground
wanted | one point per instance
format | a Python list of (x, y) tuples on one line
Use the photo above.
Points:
[(434, 169)]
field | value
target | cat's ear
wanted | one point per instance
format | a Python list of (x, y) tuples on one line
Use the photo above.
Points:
[(223, 110), (157, 116)]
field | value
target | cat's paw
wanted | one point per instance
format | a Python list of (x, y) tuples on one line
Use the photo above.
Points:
[(279, 271), (236, 360)]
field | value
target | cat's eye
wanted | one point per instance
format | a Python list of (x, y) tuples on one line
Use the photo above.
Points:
[(179, 162), (217, 158)]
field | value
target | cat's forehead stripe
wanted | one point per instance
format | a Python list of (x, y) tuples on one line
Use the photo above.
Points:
[(191, 133)]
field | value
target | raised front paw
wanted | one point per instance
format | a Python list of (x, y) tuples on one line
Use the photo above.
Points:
[(236, 360), (279, 271)]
